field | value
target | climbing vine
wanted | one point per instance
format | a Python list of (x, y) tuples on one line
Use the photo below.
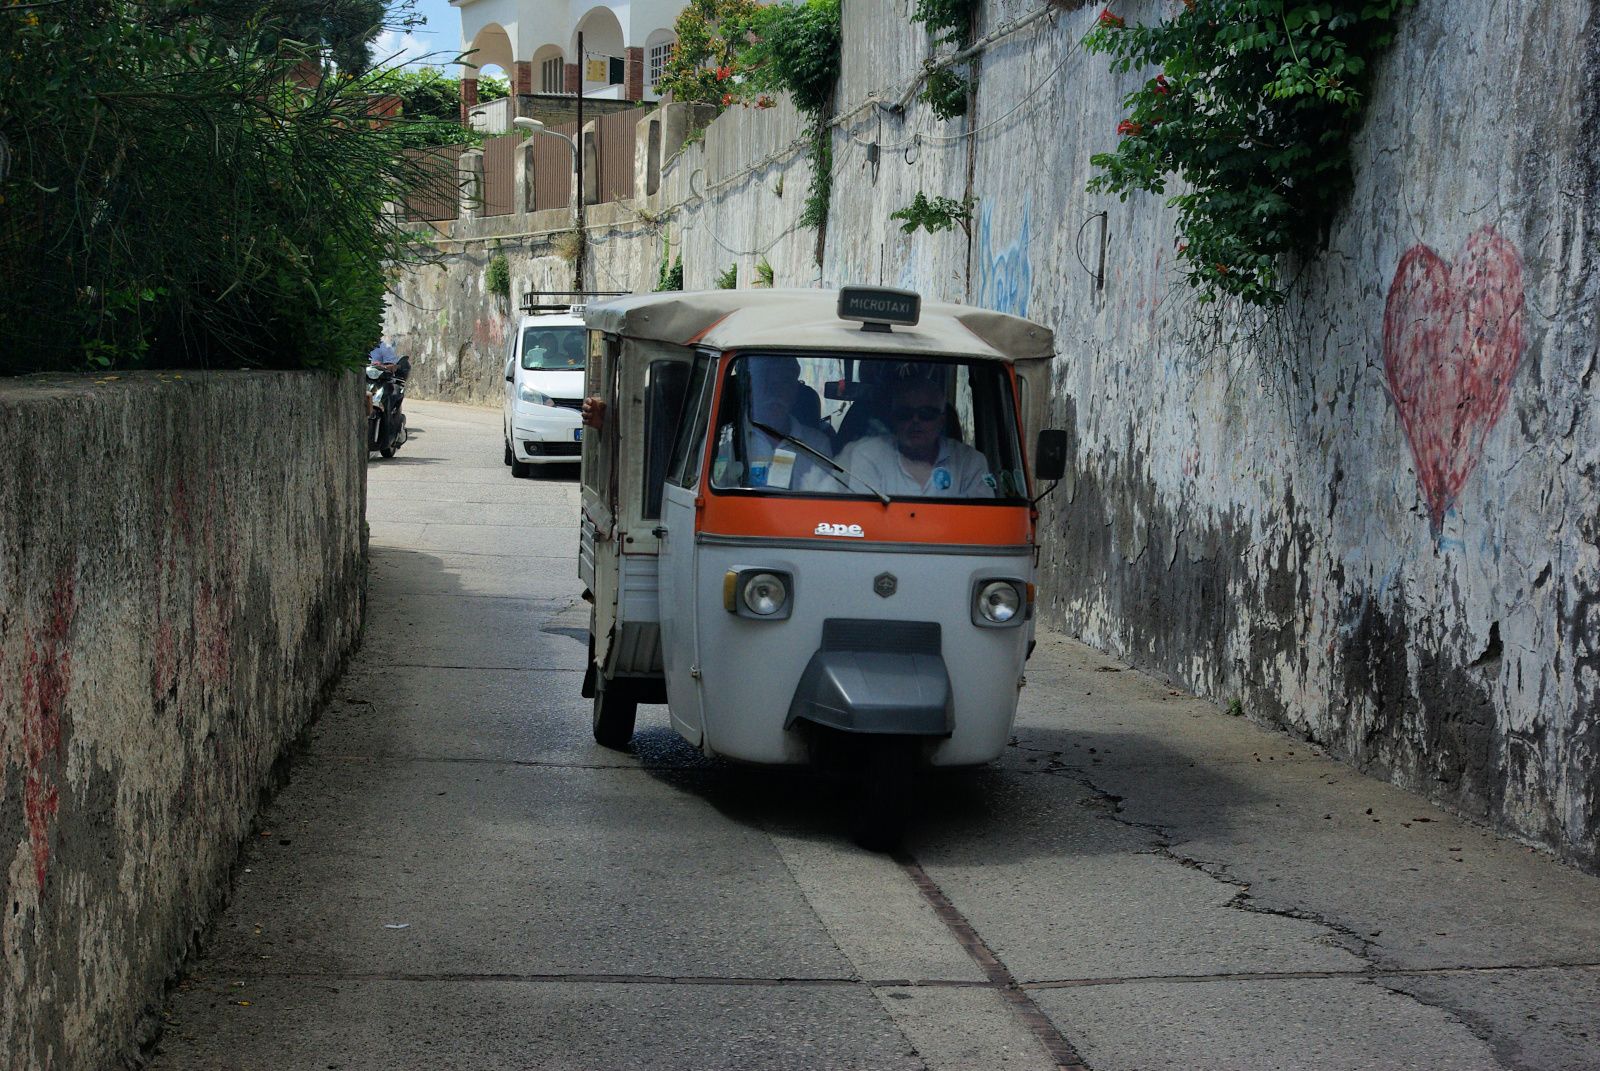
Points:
[(949, 24), (1252, 104), (934, 214), (736, 52)]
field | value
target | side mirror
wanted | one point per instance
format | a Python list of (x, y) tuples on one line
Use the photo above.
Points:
[(1050, 459)]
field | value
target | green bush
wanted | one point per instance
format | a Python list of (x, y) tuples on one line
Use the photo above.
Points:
[(179, 195), (729, 279), (1252, 103)]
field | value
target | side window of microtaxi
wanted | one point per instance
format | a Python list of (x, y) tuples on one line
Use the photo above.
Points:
[(825, 424), (684, 468), (666, 382)]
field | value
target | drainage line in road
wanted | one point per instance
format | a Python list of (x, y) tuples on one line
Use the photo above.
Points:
[(1039, 1024)]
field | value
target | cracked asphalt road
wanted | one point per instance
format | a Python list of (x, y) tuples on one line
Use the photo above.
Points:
[(457, 877)]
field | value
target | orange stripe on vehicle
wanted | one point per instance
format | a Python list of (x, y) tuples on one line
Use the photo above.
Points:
[(904, 521), (709, 328)]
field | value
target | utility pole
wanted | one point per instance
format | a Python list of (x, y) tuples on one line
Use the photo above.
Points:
[(583, 234)]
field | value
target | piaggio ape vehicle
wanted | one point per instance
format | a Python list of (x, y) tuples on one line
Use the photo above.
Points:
[(808, 527)]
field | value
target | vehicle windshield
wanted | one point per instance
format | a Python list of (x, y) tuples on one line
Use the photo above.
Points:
[(898, 428), (554, 347)]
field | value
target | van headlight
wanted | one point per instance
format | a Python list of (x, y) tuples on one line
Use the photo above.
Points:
[(1000, 602), (528, 394), (763, 593)]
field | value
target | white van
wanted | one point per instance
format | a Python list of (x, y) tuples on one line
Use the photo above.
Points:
[(544, 390)]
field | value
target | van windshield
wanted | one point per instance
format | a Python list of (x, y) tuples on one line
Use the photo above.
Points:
[(899, 428), (555, 347)]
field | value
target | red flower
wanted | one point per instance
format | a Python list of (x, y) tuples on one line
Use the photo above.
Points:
[(724, 73), (1160, 85), (1111, 21), (1129, 127), (727, 99)]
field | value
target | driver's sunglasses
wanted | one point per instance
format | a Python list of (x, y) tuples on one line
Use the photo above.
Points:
[(925, 413)]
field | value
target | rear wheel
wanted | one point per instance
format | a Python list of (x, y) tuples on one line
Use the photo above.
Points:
[(885, 791), (615, 709)]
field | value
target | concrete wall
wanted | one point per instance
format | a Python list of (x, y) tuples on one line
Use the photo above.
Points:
[(181, 571), (1370, 519)]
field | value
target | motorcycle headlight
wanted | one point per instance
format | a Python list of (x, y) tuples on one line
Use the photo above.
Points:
[(998, 603), (528, 394), (374, 372)]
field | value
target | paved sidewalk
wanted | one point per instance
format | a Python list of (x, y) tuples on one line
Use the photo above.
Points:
[(457, 877)]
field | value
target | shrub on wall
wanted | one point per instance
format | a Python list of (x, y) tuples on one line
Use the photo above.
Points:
[(1252, 104), (188, 190)]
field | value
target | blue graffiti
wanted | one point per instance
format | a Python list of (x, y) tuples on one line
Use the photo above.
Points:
[(1005, 279)]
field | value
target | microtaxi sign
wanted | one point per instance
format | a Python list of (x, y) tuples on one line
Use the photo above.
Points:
[(878, 307)]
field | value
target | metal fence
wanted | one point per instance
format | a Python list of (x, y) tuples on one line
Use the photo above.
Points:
[(608, 168)]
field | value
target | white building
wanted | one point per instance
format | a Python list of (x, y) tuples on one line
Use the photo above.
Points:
[(626, 45)]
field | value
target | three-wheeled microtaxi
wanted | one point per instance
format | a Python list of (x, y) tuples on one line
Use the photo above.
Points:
[(809, 528)]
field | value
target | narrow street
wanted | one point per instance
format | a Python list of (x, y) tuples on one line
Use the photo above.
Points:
[(456, 876)]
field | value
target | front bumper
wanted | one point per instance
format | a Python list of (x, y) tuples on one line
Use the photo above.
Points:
[(546, 433)]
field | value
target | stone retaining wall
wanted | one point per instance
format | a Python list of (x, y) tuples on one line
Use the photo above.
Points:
[(182, 567)]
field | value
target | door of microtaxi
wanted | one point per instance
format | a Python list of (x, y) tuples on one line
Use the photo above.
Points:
[(678, 560)]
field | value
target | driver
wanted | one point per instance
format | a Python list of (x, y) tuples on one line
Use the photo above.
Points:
[(916, 458), (769, 460), (384, 356)]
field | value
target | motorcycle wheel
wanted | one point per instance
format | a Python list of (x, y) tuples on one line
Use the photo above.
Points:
[(386, 451)]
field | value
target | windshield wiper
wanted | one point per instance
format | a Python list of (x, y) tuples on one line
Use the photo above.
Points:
[(820, 456)]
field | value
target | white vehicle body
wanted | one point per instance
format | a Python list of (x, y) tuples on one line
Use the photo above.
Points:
[(544, 391), (881, 596)]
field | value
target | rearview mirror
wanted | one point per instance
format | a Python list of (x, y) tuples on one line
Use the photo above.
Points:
[(1050, 459)]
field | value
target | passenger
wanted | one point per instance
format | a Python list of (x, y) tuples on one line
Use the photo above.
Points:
[(916, 458), (769, 460)]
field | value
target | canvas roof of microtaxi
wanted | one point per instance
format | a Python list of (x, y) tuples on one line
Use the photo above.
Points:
[(808, 319)]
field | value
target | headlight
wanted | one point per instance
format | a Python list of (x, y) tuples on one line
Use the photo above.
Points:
[(998, 602), (764, 593), (374, 372), (528, 394)]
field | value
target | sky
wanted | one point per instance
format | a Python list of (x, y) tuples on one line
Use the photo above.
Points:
[(438, 41)]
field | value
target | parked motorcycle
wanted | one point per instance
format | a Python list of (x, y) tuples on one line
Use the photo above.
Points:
[(386, 392)]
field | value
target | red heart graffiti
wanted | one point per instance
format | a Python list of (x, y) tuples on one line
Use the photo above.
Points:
[(1452, 340)]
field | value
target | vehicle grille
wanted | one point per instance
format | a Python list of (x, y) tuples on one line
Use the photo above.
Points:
[(567, 403), (554, 449)]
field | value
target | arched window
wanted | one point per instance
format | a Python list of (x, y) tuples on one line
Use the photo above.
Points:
[(658, 51)]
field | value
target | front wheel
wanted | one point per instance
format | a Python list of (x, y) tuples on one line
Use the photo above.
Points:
[(386, 451), (885, 792), (615, 709), (511, 458)]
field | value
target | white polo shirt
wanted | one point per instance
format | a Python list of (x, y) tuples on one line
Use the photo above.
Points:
[(959, 471)]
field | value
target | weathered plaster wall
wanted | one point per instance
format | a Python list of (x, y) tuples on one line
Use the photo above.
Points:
[(1370, 519), (181, 572)]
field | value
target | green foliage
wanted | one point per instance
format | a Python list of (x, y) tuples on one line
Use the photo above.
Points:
[(430, 105), (179, 196), (945, 92), (815, 212), (670, 277), (949, 22), (729, 279), (796, 51), (710, 35), (934, 214), (1252, 104), (497, 277), (763, 273), (735, 51)]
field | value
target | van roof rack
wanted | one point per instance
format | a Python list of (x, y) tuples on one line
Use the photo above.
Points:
[(563, 300)]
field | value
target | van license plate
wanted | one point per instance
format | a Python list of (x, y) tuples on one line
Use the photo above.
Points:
[(577, 435)]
